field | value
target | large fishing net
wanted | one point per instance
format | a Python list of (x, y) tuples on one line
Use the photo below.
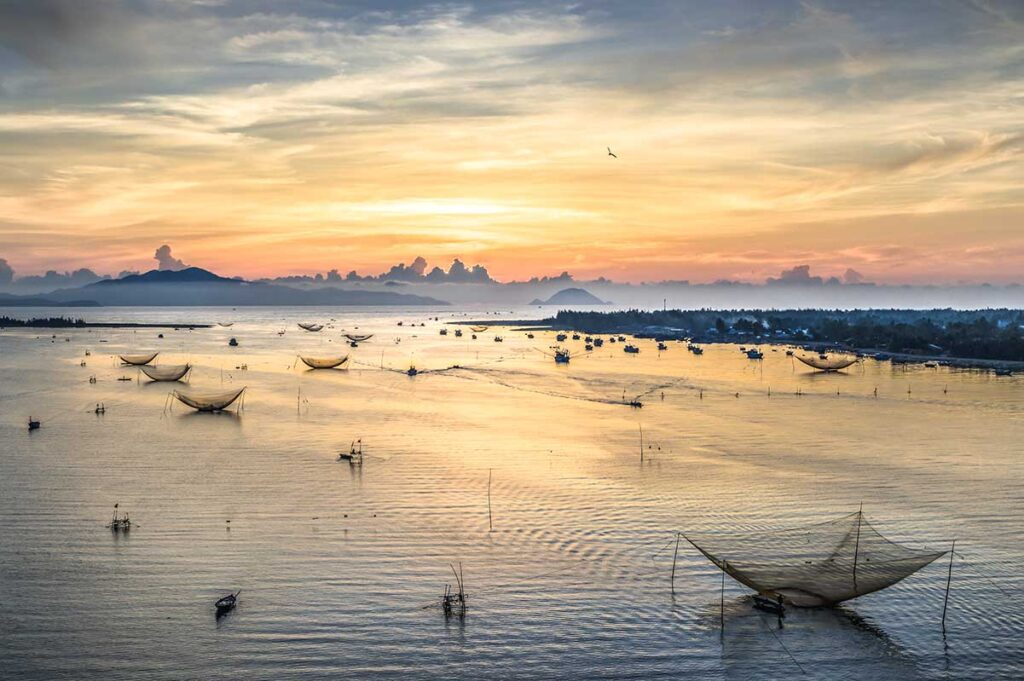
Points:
[(323, 362), (167, 372), (138, 360), (827, 362), (817, 564), (210, 401)]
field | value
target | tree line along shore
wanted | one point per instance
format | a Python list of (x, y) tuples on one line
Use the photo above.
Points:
[(74, 323), (982, 338)]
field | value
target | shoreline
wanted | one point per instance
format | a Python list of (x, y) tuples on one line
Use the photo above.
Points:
[(956, 362)]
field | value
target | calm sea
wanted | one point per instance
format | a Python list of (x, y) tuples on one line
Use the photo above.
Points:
[(341, 568)]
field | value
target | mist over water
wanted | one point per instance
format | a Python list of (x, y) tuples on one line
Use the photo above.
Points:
[(341, 568)]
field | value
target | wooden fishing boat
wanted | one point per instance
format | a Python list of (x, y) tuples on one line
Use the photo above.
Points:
[(227, 602)]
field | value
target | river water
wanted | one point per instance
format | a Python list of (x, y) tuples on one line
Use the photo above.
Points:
[(341, 567)]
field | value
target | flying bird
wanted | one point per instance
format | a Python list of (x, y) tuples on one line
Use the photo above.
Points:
[(610, 152)]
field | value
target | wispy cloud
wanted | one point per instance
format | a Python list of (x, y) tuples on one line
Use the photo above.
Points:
[(824, 132)]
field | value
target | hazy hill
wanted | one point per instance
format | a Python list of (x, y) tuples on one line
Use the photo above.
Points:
[(198, 287), (571, 296)]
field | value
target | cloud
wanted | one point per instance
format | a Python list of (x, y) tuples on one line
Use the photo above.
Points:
[(852, 276), (165, 261), (6, 273), (800, 275)]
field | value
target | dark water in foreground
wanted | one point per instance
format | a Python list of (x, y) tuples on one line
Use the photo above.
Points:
[(341, 568)]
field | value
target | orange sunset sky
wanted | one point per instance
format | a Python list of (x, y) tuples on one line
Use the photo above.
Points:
[(271, 138)]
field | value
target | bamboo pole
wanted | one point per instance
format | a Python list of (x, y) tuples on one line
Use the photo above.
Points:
[(949, 579), (856, 548), (490, 522), (675, 554), (641, 442), (723, 599)]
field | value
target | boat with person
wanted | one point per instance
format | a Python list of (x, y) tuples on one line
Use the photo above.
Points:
[(754, 353), (226, 603), (631, 349)]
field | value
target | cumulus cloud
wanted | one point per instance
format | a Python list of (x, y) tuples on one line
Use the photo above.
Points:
[(800, 275), (6, 273), (852, 276), (166, 261)]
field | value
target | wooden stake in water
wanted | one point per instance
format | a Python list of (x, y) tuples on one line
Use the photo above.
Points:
[(949, 578), (723, 597), (490, 523), (641, 442), (856, 548), (675, 554)]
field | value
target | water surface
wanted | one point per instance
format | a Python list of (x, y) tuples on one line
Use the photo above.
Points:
[(341, 568)]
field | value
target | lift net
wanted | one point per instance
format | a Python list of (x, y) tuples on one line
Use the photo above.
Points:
[(208, 401), (817, 564), (827, 362), (168, 372), (323, 362)]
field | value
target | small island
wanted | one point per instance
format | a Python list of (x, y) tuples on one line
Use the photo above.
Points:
[(571, 296)]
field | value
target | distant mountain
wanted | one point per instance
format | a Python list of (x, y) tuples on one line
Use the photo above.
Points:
[(8, 300), (571, 296), (189, 275), (198, 287)]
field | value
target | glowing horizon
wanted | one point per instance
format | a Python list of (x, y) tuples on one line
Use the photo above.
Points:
[(750, 139)]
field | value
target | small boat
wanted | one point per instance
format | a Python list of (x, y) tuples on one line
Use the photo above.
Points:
[(227, 602), (575, 336), (100, 409), (789, 353), (662, 346), (124, 378), (588, 339), (399, 324), (588, 347), (233, 343), (560, 337), (474, 336), (774, 606), (631, 349), (562, 356), (444, 332), (931, 365), (1003, 372), (458, 333), (754, 353), (411, 371), (529, 335), (598, 342), (353, 455), (119, 522), (612, 339), (33, 424), (622, 339), (499, 339)]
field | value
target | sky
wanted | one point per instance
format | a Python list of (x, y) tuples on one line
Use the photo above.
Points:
[(266, 138)]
